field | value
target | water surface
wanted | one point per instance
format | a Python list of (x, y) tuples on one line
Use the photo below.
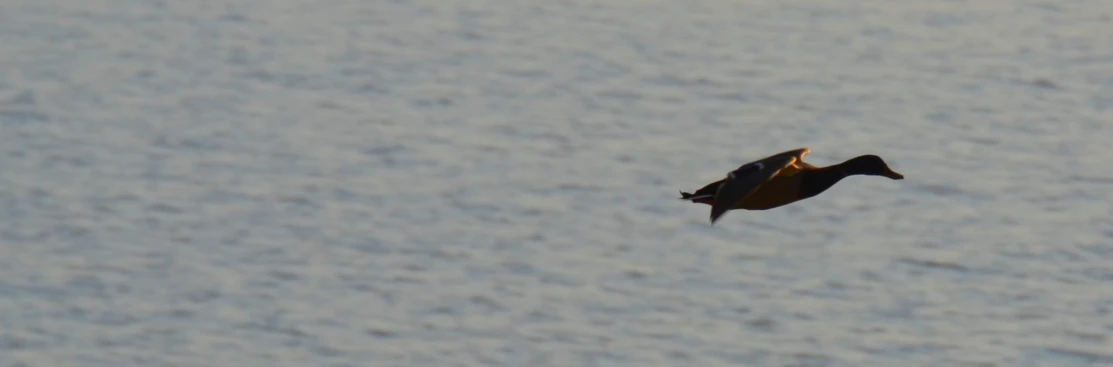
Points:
[(493, 183)]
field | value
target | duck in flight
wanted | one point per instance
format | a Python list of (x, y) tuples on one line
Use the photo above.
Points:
[(781, 179)]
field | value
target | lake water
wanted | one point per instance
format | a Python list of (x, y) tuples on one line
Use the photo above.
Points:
[(494, 183)]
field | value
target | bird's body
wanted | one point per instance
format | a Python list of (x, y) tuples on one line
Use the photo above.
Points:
[(781, 179)]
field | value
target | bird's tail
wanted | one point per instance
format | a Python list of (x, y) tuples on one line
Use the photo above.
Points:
[(691, 197)]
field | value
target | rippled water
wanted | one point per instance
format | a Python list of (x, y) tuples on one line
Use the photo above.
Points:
[(494, 183)]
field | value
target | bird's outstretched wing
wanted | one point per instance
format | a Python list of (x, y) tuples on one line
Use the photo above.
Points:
[(794, 168), (742, 182)]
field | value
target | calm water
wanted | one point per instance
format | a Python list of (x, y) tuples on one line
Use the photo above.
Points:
[(494, 183)]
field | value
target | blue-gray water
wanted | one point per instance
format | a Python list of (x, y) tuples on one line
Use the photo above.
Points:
[(493, 183)]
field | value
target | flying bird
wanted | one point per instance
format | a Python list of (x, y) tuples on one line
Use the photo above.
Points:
[(781, 179)]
